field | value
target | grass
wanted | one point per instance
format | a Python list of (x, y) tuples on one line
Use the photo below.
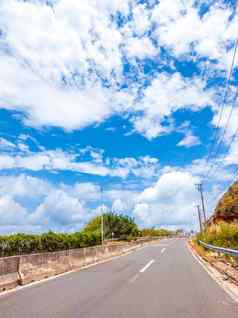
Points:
[(222, 235)]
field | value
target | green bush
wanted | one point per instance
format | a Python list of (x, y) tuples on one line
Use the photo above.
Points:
[(122, 226), (47, 242), (156, 232), (118, 226)]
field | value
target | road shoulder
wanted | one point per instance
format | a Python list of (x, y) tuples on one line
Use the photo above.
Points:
[(228, 286)]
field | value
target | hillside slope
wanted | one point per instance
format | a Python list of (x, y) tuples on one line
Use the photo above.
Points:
[(227, 208)]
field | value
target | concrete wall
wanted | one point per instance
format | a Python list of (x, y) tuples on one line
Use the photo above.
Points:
[(9, 276), (28, 268), (38, 266)]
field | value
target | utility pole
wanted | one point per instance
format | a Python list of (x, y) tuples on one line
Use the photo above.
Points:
[(102, 221), (199, 217), (199, 187)]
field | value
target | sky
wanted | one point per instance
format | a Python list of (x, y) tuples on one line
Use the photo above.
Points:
[(117, 106)]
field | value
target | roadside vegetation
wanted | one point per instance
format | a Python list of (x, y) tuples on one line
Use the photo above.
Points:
[(47, 242), (222, 235), (116, 226), (156, 232), (222, 227)]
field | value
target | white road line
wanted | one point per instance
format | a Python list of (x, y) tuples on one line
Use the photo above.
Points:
[(162, 251), (228, 287), (134, 278), (147, 266)]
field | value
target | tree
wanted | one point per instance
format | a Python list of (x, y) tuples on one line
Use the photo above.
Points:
[(122, 226)]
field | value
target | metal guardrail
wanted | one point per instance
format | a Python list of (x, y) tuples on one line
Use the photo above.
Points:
[(223, 250)]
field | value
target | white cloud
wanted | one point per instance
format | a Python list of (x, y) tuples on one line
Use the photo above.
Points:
[(168, 201), (47, 104), (118, 206), (232, 156), (58, 160), (60, 210), (6, 145), (141, 19), (181, 28), (11, 213), (81, 47), (140, 48), (226, 120), (86, 191), (23, 186), (189, 141), (165, 95), (144, 167), (60, 88), (33, 204)]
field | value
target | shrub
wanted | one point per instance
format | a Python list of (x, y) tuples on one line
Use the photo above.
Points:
[(222, 234), (47, 242)]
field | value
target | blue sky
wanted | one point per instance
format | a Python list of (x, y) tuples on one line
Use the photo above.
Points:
[(124, 95)]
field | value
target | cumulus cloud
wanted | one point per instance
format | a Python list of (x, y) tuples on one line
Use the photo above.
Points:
[(168, 201), (60, 210), (11, 213), (181, 27), (59, 86), (77, 78), (58, 160), (58, 207), (165, 95)]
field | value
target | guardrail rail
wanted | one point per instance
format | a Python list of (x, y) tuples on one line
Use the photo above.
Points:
[(223, 250)]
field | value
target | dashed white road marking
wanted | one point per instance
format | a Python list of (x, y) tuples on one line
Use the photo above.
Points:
[(147, 266), (134, 278), (163, 249)]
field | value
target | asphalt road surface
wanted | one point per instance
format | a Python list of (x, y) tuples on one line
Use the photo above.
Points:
[(160, 281)]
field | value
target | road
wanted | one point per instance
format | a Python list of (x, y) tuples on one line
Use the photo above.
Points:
[(163, 280)]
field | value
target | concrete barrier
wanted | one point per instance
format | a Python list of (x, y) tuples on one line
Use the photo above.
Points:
[(38, 266), (33, 267), (90, 255), (76, 257), (9, 276)]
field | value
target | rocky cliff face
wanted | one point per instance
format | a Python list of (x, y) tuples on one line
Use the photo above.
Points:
[(227, 208)]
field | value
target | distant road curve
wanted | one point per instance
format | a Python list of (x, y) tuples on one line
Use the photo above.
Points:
[(160, 281)]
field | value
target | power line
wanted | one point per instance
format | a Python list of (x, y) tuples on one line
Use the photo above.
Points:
[(232, 140), (221, 110), (224, 131)]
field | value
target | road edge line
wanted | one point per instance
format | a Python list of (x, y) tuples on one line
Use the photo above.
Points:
[(230, 288)]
